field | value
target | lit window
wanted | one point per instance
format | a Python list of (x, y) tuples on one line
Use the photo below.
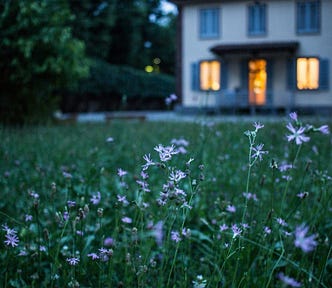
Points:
[(307, 73), (209, 72)]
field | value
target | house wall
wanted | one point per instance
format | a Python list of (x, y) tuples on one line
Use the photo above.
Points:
[(281, 26)]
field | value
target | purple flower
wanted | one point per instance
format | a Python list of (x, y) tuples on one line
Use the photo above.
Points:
[(67, 175), (231, 208), (177, 175), (281, 222), (166, 152), (158, 232), (65, 216), (148, 161), (11, 239), (28, 218), (175, 236), (258, 126), (267, 230), (288, 280), (108, 241), (126, 220), (73, 261), (122, 199), (236, 231), (95, 199), (223, 227), (293, 116), (297, 135), (71, 203), (93, 256), (110, 139), (122, 172), (258, 152), (307, 244), (324, 129)]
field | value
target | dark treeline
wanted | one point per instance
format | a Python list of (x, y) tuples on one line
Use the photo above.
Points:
[(70, 53)]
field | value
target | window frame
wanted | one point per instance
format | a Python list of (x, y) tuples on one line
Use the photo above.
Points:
[(204, 32), (307, 27), (253, 10)]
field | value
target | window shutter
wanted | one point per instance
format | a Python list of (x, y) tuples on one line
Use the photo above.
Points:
[(223, 74), (195, 76), (291, 76), (269, 84), (263, 18), (324, 74)]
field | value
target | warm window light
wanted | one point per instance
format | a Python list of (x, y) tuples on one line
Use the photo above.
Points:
[(307, 73), (210, 75)]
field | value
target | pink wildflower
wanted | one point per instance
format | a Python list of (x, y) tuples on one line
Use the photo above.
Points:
[(297, 135)]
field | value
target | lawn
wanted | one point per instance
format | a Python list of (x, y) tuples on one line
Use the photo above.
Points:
[(154, 204)]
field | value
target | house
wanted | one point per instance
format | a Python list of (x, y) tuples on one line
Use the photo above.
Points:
[(255, 55)]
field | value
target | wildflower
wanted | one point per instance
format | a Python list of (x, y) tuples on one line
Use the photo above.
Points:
[(65, 216), (293, 116), (231, 208), (236, 231), (324, 129), (186, 232), (177, 175), (258, 152), (126, 220), (288, 280), (95, 199), (307, 244), (281, 222), (297, 135), (67, 175), (148, 161), (73, 261), (122, 172), (93, 256), (302, 195), (144, 185), (267, 230), (223, 227), (284, 167), (108, 241), (158, 232), (11, 239), (123, 200), (250, 196), (71, 203), (200, 282), (110, 140), (166, 152), (28, 218), (258, 126), (175, 236)]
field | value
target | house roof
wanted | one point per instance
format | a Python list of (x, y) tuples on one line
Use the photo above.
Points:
[(257, 47)]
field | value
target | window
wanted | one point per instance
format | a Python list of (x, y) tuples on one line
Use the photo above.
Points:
[(307, 73), (257, 19), (308, 16), (209, 23), (209, 75)]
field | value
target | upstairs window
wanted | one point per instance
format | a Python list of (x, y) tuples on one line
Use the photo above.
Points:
[(209, 23), (307, 73), (257, 19), (209, 75), (308, 17)]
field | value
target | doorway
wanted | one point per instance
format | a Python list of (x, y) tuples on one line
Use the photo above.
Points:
[(257, 82)]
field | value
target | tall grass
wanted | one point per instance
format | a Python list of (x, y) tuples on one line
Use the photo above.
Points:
[(166, 205)]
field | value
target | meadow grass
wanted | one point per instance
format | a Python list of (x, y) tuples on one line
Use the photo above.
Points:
[(129, 204)]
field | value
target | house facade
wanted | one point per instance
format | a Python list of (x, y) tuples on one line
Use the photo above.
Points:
[(245, 54)]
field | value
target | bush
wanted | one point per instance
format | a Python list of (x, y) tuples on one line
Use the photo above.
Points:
[(112, 87)]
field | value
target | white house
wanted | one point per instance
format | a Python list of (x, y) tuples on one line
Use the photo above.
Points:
[(245, 54)]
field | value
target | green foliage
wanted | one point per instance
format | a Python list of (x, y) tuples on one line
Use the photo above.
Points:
[(113, 84), (38, 56)]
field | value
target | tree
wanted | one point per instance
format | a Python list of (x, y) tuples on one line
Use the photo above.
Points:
[(38, 57)]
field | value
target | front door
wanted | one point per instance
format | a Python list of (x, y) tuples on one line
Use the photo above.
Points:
[(257, 82)]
